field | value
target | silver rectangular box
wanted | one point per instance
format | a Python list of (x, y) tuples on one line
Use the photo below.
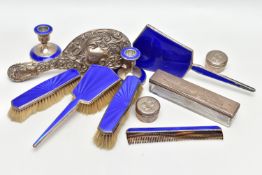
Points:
[(200, 100)]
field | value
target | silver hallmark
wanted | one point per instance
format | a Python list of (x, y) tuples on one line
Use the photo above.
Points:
[(100, 46), (147, 109), (202, 101)]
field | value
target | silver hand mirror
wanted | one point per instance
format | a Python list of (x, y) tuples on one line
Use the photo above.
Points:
[(100, 46)]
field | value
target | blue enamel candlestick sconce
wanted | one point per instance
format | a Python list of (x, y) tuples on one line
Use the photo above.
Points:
[(159, 51), (45, 51)]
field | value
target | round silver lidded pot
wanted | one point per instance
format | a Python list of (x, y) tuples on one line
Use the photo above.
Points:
[(147, 109), (216, 61)]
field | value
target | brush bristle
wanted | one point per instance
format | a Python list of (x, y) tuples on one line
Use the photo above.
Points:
[(41, 104), (108, 140), (98, 104)]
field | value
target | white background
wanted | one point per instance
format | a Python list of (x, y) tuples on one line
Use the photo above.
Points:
[(231, 26)]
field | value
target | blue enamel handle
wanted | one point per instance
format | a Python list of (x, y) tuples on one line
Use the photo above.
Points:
[(223, 78), (71, 107)]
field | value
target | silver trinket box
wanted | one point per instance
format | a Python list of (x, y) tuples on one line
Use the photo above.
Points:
[(147, 109), (216, 61)]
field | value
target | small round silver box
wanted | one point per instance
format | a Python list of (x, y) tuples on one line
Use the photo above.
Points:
[(147, 109), (216, 61)]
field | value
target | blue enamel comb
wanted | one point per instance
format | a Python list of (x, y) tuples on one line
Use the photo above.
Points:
[(159, 51), (43, 95), (92, 93), (116, 113), (169, 134)]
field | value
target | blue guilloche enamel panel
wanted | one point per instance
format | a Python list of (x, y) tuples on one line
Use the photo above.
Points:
[(45, 88), (119, 104), (159, 51), (89, 88), (95, 82)]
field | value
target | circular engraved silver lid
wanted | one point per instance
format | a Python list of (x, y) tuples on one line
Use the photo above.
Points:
[(147, 109), (216, 61)]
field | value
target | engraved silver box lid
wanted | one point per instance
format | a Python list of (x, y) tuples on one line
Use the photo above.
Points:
[(147, 109), (216, 61), (200, 100)]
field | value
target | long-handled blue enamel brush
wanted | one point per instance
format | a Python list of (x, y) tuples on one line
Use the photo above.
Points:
[(43, 95), (92, 93), (116, 113)]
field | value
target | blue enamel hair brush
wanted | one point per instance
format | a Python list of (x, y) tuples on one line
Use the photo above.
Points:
[(92, 93), (43, 95), (116, 113)]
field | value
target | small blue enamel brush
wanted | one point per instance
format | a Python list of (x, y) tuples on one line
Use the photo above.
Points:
[(93, 92), (116, 113), (169, 134), (43, 95)]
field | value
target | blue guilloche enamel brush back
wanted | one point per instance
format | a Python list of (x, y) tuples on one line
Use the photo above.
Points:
[(45, 88), (119, 104), (93, 84), (159, 51), (88, 89)]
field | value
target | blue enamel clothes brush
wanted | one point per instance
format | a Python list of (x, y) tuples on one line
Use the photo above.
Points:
[(43, 95), (169, 134), (116, 113), (92, 93)]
